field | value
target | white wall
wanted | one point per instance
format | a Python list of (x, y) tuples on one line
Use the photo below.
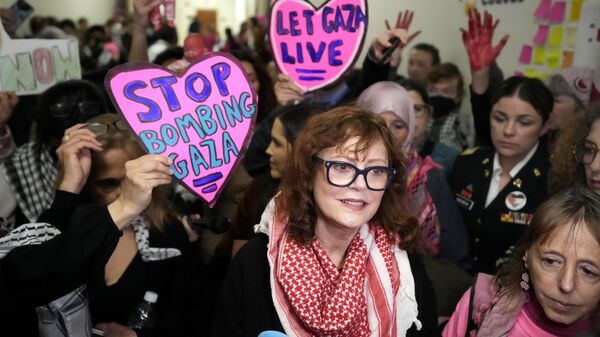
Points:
[(230, 13), (439, 20), (97, 12)]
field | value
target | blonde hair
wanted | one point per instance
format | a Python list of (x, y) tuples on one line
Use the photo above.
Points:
[(159, 212), (565, 171)]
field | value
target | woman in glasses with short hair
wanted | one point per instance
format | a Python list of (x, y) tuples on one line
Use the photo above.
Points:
[(28, 177), (335, 249), (574, 159)]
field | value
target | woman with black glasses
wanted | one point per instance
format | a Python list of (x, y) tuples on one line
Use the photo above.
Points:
[(28, 177), (335, 250), (574, 159)]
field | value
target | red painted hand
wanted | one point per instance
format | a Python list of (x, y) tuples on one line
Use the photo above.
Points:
[(403, 22), (478, 40)]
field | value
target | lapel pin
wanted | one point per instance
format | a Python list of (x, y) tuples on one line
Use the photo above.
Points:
[(518, 182)]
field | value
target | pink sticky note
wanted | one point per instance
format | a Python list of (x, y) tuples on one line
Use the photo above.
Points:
[(541, 35), (557, 13), (315, 46), (202, 119), (543, 9), (526, 52)]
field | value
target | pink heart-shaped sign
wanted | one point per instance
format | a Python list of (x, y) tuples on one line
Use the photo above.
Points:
[(314, 46), (200, 119)]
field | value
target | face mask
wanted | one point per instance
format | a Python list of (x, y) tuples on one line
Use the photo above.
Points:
[(442, 106)]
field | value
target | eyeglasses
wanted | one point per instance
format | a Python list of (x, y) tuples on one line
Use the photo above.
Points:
[(85, 109), (100, 129), (585, 154), (342, 174), (421, 109)]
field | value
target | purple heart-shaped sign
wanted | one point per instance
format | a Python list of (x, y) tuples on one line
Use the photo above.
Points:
[(201, 119), (314, 46)]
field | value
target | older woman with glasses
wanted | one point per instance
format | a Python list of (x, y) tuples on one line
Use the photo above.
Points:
[(551, 285), (574, 158), (335, 251)]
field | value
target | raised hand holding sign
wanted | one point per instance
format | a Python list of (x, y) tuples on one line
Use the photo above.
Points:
[(315, 46), (200, 119)]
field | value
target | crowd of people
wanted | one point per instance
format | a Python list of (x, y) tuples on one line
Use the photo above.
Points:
[(380, 205)]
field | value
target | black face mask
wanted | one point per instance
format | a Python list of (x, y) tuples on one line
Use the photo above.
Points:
[(442, 106)]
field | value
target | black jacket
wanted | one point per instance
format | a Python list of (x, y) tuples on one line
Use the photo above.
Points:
[(246, 306), (494, 230), (35, 275)]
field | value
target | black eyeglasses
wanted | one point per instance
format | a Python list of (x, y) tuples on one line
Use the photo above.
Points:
[(100, 129), (585, 154), (422, 108), (84, 109), (342, 174)]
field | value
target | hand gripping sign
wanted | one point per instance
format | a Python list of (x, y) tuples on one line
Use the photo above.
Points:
[(314, 46), (201, 119)]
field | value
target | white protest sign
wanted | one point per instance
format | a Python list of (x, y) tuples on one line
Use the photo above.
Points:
[(30, 66)]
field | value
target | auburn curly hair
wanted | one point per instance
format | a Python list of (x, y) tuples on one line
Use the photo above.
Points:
[(565, 171), (296, 203)]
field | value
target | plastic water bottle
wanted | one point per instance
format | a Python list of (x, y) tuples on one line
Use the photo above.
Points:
[(142, 315)]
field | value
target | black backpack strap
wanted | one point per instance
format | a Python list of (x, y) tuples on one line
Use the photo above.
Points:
[(427, 148), (471, 323)]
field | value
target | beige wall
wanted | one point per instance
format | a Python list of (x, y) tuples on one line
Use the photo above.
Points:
[(439, 20), (229, 12), (97, 12)]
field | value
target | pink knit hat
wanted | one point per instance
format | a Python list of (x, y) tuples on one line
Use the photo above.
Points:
[(581, 82)]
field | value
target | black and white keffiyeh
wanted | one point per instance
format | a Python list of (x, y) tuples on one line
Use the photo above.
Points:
[(37, 233), (31, 174), (27, 234), (140, 229), (67, 316)]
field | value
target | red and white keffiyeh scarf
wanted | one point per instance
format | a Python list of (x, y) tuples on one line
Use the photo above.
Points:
[(373, 294)]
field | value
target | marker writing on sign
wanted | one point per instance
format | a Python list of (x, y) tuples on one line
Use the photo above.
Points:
[(203, 123), (220, 72), (346, 18)]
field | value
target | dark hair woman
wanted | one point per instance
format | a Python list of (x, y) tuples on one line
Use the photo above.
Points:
[(498, 188)]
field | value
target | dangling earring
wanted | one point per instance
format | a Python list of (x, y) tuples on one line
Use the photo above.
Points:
[(525, 281)]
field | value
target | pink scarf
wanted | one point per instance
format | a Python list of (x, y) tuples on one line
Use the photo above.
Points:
[(421, 202)]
